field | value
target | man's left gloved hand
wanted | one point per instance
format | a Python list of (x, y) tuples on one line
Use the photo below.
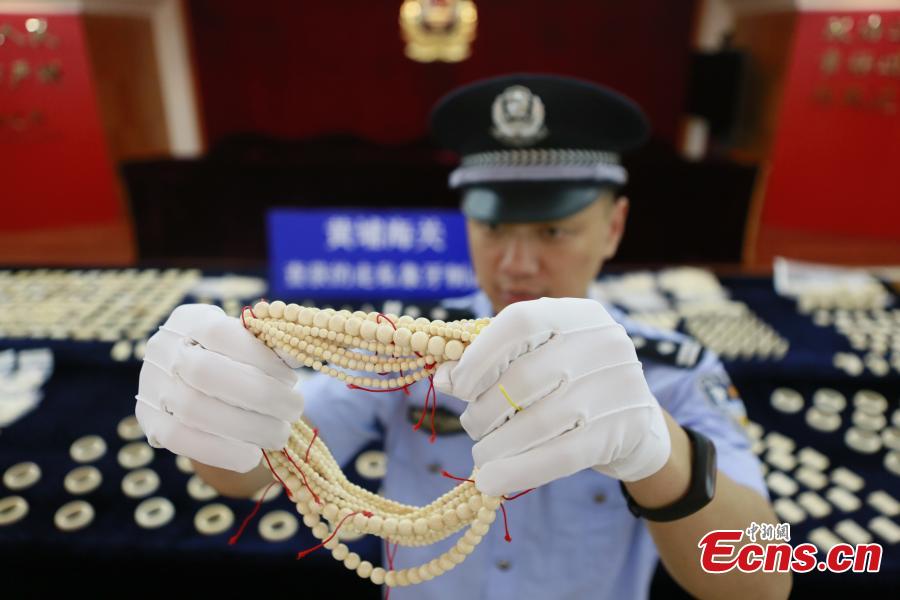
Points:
[(584, 401)]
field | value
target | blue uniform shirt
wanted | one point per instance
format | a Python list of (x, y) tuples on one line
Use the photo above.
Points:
[(572, 538)]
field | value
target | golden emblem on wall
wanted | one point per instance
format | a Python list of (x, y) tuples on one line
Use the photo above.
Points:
[(831, 61), (889, 65), (893, 31), (838, 29), (886, 100), (438, 30), (861, 63), (871, 28)]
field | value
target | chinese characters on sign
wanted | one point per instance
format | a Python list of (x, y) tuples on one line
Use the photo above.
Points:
[(17, 69), (323, 254), (860, 67), (12, 74), (36, 35), (406, 275), (376, 233)]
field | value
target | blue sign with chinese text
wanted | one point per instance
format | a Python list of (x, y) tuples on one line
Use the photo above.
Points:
[(368, 255)]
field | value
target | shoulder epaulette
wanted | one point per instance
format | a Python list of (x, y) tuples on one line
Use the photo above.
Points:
[(684, 354)]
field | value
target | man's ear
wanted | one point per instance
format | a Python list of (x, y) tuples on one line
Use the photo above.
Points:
[(618, 215)]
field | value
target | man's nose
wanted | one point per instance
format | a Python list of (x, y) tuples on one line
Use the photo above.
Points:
[(518, 257)]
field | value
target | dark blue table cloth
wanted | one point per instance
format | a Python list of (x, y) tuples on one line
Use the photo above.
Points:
[(89, 393)]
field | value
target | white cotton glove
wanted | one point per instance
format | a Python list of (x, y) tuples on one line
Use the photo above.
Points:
[(585, 403), (211, 391)]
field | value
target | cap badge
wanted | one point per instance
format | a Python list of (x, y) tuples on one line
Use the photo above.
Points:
[(518, 117)]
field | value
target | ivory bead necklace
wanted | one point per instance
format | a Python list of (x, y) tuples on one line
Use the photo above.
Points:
[(397, 351)]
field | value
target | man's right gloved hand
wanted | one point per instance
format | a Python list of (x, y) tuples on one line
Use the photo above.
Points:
[(211, 391)]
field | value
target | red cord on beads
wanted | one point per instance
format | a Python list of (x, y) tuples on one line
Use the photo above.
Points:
[(390, 555), (308, 448), (404, 389), (424, 412), (513, 497), (333, 533), (303, 475), (287, 490), (250, 308), (433, 406), (432, 394), (283, 484), (431, 391), (234, 539), (422, 415), (390, 560), (506, 537), (449, 476), (378, 318), (353, 386)]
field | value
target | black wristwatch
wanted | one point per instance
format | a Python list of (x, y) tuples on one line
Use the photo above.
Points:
[(700, 492)]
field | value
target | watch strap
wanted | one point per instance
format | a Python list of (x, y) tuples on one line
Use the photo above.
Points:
[(700, 490)]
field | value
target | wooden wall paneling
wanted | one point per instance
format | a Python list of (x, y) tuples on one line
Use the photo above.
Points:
[(767, 38), (127, 81)]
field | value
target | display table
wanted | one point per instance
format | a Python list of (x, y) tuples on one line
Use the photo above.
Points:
[(91, 388)]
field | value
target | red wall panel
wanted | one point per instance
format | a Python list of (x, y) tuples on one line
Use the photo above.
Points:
[(300, 69), (836, 154), (53, 156)]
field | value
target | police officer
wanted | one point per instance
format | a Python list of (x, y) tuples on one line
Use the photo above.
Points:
[(619, 428)]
